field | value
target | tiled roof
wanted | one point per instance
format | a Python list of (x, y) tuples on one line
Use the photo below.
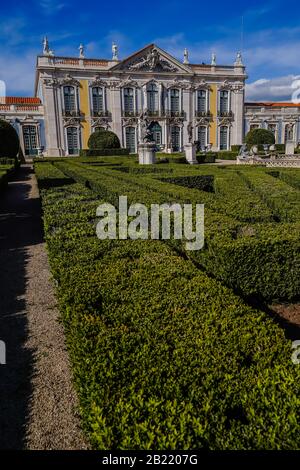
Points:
[(22, 100), (274, 104)]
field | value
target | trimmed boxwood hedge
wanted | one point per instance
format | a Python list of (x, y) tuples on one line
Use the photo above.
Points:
[(163, 357), (236, 220), (103, 152)]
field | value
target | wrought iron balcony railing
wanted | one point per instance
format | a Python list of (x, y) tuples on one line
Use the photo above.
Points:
[(100, 113), (206, 114)]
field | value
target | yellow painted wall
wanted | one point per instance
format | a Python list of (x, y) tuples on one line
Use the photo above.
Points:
[(85, 109), (213, 110)]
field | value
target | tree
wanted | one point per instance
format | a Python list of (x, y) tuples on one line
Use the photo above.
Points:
[(100, 140), (9, 140), (260, 137)]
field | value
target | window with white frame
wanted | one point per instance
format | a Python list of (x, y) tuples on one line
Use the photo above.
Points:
[(69, 99), (128, 100), (224, 137), (254, 126), (201, 101), (202, 136), (175, 138), (30, 139), (174, 100), (224, 102), (152, 97), (98, 101), (130, 135), (288, 132), (72, 140)]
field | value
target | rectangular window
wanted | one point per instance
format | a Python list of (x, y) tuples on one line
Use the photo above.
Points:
[(130, 139), (128, 100), (69, 99), (175, 108), (202, 136), (72, 139), (30, 140), (201, 101), (224, 138), (97, 93), (224, 102)]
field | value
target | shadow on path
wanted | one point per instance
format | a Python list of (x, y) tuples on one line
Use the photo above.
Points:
[(20, 227)]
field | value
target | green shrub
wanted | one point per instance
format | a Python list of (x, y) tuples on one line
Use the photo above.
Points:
[(9, 140), (236, 148), (235, 219), (260, 136), (202, 182), (101, 140), (103, 152), (280, 148), (226, 155), (206, 157)]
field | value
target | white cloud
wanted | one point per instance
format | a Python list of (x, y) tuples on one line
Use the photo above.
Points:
[(18, 73), (275, 89), (50, 7)]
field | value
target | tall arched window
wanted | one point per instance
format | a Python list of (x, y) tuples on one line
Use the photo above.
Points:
[(223, 138), (69, 99), (224, 102), (152, 97), (174, 95), (201, 101), (97, 93), (72, 140), (128, 100), (130, 138), (202, 136)]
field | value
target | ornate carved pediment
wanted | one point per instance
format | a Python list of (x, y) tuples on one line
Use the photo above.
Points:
[(98, 82), (225, 85), (202, 121), (184, 84), (201, 85), (131, 121), (100, 122), (51, 82), (129, 82), (151, 61), (69, 80), (176, 121), (71, 121), (225, 122)]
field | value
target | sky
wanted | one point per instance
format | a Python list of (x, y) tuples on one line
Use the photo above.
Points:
[(270, 42)]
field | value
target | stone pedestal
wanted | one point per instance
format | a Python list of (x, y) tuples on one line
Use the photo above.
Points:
[(190, 154), (290, 147), (146, 153)]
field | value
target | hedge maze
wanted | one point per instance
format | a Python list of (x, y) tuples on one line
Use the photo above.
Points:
[(167, 352)]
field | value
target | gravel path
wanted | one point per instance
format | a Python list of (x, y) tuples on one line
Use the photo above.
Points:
[(37, 400)]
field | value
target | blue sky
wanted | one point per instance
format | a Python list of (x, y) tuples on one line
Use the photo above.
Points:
[(271, 45)]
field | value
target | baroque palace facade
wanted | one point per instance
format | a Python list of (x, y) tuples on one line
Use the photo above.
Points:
[(77, 96)]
